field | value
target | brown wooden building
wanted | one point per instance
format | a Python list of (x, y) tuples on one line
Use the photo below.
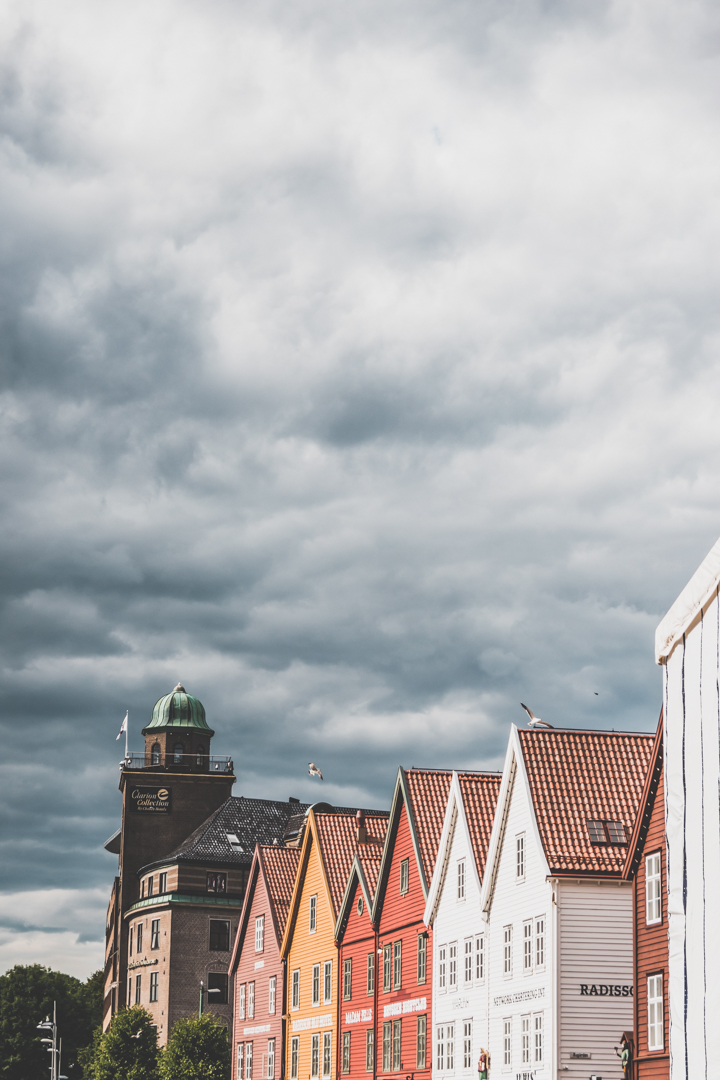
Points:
[(646, 867)]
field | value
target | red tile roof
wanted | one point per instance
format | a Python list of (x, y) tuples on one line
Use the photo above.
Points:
[(370, 859), (280, 865), (581, 776), (428, 790), (337, 834), (480, 795)]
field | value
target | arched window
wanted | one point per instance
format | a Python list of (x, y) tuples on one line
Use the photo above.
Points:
[(178, 750), (155, 754), (200, 752)]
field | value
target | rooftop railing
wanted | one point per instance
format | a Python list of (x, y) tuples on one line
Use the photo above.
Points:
[(178, 762)]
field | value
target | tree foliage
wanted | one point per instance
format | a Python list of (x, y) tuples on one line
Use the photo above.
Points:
[(198, 1049), (128, 1050), (27, 993)]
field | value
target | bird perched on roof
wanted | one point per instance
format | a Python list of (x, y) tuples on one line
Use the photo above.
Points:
[(534, 720), (313, 770)]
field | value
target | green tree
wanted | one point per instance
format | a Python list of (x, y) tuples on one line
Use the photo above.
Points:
[(27, 993), (126, 1051), (198, 1049)]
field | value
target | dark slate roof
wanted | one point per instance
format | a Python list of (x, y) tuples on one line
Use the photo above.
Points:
[(252, 821)]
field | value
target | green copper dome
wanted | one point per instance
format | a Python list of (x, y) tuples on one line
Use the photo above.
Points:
[(178, 711)]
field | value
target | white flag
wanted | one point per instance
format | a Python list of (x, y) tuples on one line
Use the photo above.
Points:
[(123, 727)]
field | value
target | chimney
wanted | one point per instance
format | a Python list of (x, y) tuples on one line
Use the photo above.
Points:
[(361, 830)]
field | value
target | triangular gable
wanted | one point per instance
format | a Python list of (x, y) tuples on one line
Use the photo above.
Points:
[(699, 591), (310, 838), (647, 805), (357, 874), (260, 869), (514, 774), (245, 913)]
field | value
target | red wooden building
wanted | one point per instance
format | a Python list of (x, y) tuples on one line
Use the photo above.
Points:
[(646, 867), (403, 977), (258, 971)]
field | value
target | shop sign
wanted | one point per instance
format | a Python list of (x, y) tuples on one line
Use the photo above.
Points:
[(359, 1016), (399, 1008), (604, 990), (141, 963), (150, 800)]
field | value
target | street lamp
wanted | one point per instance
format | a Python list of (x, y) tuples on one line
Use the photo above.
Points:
[(203, 991), (50, 1026)]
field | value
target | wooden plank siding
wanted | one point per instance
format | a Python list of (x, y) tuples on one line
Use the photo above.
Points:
[(651, 950), (357, 1013)]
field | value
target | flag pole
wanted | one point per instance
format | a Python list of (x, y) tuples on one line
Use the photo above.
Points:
[(126, 735)]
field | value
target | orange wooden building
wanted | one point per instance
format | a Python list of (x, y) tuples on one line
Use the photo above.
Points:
[(646, 867)]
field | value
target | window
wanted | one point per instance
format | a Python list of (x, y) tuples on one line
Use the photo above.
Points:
[(538, 1038), (452, 967), (507, 1043), (248, 1061), (260, 933), (467, 1044), (316, 984), (218, 981), (129, 992), (347, 979), (450, 1047), (440, 1048), (155, 754), (387, 967), (138, 988), (422, 958), (387, 1046), (468, 961), (520, 857), (219, 935), (216, 883), (271, 1059), (346, 1052), (312, 923), (421, 1043), (240, 1061), (142, 890), (250, 1000), (371, 973), (404, 876), (326, 1053), (525, 1039), (606, 832), (315, 1056), (369, 1049), (616, 832), (199, 755), (242, 1001), (527, 946), (327, 995), (397, 1045), (360, 905), (139, 937), (130, 939), (154, 985), (295, 999), (442, 969), (272, 990), (397, 965), (163, 882), (155, 934), (480, 958), (178, 750), (540, 941), (507, 950), (653, 889), (150, 881), (656, 1032), (294, 1054), (461, 880)]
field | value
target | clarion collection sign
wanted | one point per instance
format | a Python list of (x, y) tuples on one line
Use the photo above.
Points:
[(150, 800)]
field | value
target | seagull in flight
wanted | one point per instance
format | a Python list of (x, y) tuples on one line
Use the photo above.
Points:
[(534, 720), (313, 770)]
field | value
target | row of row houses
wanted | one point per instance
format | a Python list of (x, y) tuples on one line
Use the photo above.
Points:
[(486, 927)]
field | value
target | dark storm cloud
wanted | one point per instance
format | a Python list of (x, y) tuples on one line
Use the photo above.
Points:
[(359, 369)]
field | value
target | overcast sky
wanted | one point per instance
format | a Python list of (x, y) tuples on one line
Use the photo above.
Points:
[(360, 370)]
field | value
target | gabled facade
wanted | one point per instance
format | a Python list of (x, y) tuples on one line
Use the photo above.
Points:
[(646, 867), (687, 644), (403, 1016), (256, 967), (329, 845), (460, 991), (559, 914)]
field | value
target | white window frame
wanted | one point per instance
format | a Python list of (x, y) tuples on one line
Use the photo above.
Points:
[(312, 915), (404, 877), (655, 1002), (327, 982), (294, 1057), (507, 1043), (270, 1071), (442, 969), (528, 947), (251, 1000), (653, 889), (507, 951), (538, 1038), (248, 1061), (468, 961), (525, 1036), (461, 880), (315, 1056), (452, 967), (327, 1054), (520, 855), (241, 1006), (272, 994), (345, 1064), (239, 1060), (316, 984), (450, 1048), (260, 933), (295, 986), (540, 942), (467, 1045), (480, 958), (397, 965), (440, 1048)]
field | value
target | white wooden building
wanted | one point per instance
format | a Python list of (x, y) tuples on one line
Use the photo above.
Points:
[(459, 998), (687, 644), (559, 919)]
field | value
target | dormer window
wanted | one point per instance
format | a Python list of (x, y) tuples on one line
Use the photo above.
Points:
[(178, 751), (155, 754), (607, 832)]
